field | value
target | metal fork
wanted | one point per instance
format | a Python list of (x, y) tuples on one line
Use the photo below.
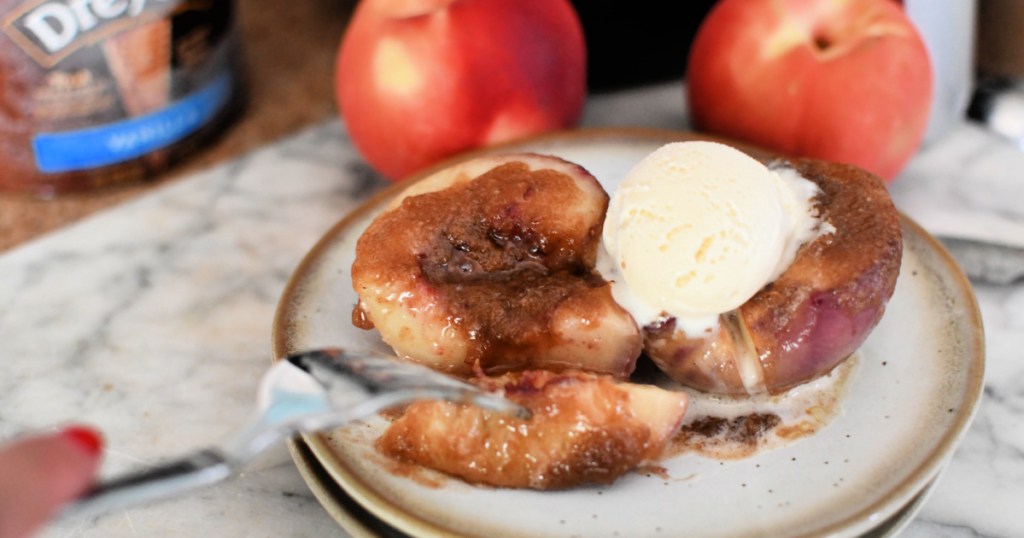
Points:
[(307, 391)]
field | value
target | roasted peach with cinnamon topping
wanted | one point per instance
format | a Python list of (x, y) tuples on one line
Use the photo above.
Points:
[(815, 314), (585, 429), (489, 266)]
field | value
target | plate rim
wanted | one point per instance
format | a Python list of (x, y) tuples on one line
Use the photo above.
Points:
[(312, 471), (404, 521)]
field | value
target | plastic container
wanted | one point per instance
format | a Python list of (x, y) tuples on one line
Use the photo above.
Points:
[(100, 93), (948, 30)]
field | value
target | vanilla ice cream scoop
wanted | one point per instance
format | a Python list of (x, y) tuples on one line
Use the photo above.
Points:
[(695, 229)]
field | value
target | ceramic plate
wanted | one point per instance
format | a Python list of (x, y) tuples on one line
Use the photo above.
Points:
[(360, 523), (908, 403)]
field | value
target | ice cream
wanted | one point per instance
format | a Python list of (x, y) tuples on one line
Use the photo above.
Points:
[(695, 229)]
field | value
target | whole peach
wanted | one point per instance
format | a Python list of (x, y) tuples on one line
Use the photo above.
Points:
[(844, 81), (420, 80)]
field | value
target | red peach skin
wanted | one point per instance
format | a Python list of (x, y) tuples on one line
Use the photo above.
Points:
[(816, 313), (843, 81), (418, 81)]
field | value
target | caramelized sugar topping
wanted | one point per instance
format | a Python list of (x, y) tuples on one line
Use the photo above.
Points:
[(498, 256), (583, 430)]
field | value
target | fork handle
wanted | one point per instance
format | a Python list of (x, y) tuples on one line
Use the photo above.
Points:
[(194, 471)]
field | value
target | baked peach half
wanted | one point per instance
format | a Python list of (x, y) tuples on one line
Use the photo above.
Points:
[(489, 266), (815, 314)]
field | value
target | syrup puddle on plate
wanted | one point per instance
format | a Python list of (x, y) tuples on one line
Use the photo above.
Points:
[(727, 428)]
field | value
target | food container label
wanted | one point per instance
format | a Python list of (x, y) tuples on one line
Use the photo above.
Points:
[(51, 31), (127, 139)]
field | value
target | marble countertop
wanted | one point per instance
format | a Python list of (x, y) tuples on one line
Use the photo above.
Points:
[(152, 320)]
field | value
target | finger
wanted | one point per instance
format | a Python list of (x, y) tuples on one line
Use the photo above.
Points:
[(40, 473)]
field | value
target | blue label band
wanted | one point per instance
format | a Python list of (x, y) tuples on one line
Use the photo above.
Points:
[(128, 139)]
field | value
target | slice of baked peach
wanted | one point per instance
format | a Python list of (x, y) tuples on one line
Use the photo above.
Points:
[(585, 429)]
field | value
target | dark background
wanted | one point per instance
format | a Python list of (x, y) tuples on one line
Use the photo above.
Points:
[(631, 42)]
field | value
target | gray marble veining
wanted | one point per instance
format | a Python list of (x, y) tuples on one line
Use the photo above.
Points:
[(152, 321)]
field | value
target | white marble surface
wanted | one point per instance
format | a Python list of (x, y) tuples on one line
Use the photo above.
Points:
[(152, 322)]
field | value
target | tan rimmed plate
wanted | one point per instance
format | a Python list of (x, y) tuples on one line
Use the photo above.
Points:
[(360, 523), (913, 395)]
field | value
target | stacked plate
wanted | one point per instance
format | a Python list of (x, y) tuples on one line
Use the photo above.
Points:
[(911, 398)]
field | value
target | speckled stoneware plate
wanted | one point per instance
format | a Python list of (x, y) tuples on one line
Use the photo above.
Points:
[(361, 523), (907, 404)]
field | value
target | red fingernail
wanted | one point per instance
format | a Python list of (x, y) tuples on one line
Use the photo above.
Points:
[(87, 438)]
